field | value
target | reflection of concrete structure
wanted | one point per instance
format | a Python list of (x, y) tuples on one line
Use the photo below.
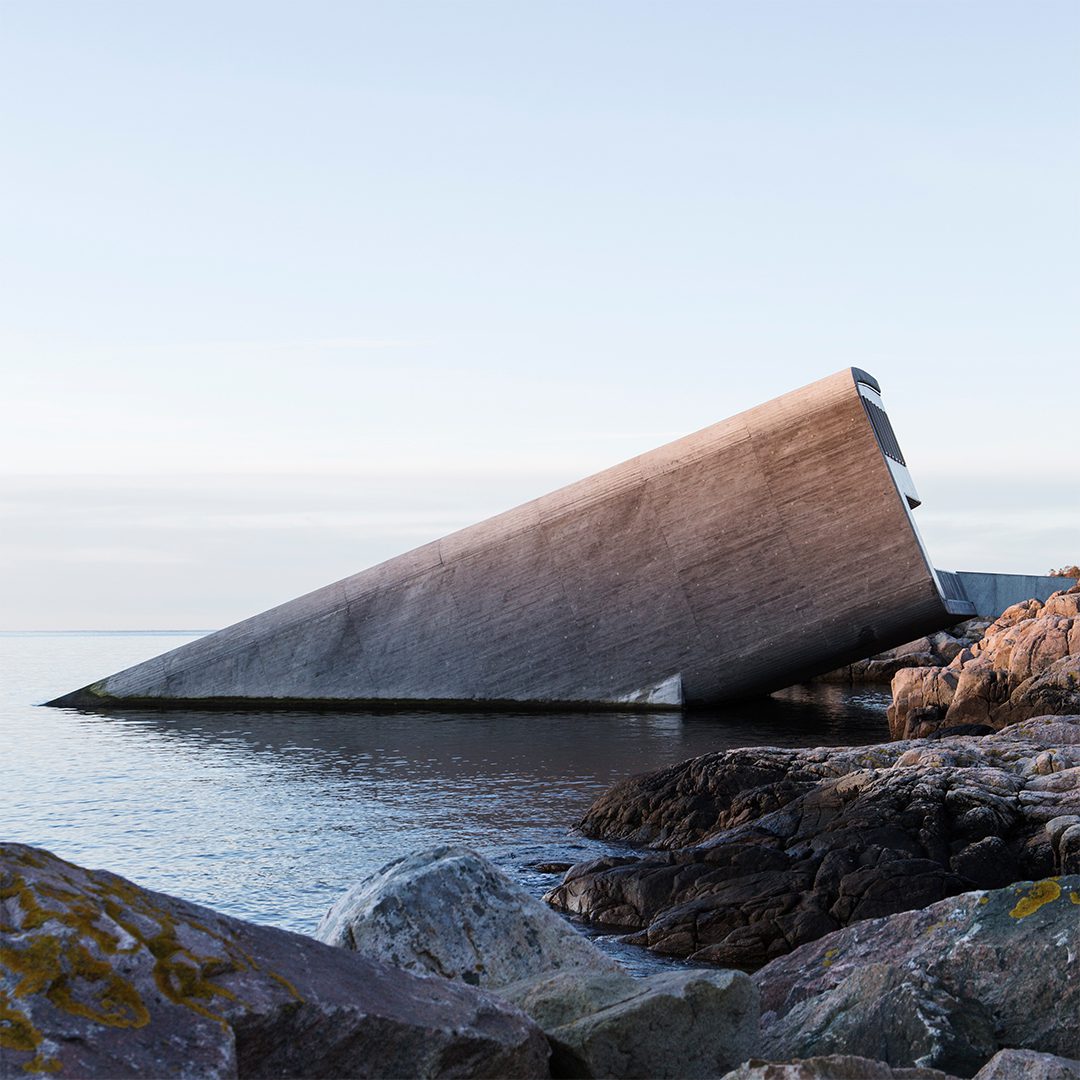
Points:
[(764, 549)]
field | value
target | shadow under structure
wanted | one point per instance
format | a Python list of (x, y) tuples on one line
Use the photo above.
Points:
[(743, 558)]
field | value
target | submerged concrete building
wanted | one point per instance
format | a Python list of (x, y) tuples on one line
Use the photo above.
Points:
[(759, 551)]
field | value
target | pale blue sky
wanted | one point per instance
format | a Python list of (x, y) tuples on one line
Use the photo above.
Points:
[(287, 288)]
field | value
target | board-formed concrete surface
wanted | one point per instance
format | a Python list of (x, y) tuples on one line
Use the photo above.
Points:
[(991, 594), (764, 549)]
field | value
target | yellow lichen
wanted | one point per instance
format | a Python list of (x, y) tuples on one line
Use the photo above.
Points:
[(73, 966), (292, 989), (1041, 892), (829, 957), (41, 1064), (984, 900), (16, 1030), (1074, 897)]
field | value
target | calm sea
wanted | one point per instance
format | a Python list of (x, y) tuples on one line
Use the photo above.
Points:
[(271, 816)]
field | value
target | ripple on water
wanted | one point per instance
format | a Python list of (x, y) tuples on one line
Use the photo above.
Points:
[(270, 816)]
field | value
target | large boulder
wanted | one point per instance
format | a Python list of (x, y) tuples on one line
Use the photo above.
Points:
[(762, 850), (887, 1012), (674, 1024), (1026, 664), (102, 978), (946, 986), (830, 1067), (450, 913), (1028, 1065)]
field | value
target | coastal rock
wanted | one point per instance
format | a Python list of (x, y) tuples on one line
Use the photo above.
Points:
[(830, 1067), (102, 978), (889, 1013), (674, 1024), (448, 911), (935, 650), (779, 847), (1028, 1065), (1026, 664), (989, 969)]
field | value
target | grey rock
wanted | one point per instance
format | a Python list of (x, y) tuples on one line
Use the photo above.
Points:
[(449, 912), (887, 1013), (555, 998), (831, 1067), (102, 978), (1028, 1065), (677, 1024), (1010, 955)]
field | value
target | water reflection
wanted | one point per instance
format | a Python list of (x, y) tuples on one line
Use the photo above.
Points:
[(271, 815)]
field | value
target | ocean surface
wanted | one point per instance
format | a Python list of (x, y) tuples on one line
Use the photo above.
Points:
[(270, 816)]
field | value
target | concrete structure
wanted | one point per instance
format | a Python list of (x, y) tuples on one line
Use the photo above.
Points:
[(651, 584), (991, 594)]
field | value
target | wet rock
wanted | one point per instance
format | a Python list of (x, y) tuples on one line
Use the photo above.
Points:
[(830, 1067), (102, 978), (1001, 967), (778, 847), (449, 912), (1028, 1065), (1026, 664)]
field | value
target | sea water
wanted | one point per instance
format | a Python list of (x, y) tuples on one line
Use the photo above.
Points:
[(270, 816)]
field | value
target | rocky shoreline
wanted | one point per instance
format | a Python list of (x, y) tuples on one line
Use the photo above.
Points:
[(1027, 663), (752, 853), (935, 650), (908, 909)]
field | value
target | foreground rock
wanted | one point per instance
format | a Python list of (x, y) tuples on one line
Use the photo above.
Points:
[(945, 987), (768, 849), (831, 1067), (1006, 1065), (101, 978), (1028, 1065), (676, 1024), (1027, 664), (449, 912), (936, 650)]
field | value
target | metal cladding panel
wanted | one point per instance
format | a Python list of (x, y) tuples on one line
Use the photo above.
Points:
[(739, 559)]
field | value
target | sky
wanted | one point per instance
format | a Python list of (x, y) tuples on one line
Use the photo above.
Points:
[(289, 288)]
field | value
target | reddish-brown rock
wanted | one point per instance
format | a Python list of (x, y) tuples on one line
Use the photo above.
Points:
[(1026, 664)]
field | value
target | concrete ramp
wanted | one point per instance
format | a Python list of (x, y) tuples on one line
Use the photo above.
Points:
[(764, 549)]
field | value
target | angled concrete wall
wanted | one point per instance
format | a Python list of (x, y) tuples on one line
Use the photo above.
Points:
[(652, 583), (991, 594)]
